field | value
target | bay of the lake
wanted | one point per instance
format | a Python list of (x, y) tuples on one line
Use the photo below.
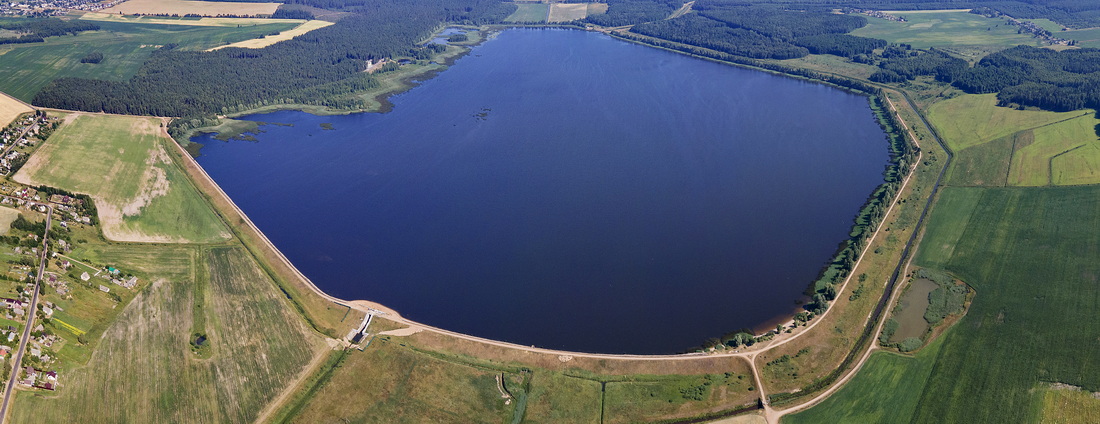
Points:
[(564, 189)]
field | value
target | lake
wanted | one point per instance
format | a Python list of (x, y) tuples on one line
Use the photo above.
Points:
[(564, 189)]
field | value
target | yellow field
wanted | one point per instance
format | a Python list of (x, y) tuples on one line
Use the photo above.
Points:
[(259, 43), (183, 7), (565, 12), (210, 22), (10, 109), (140, 194), (1064, 406), (973, 119), (7, 216)]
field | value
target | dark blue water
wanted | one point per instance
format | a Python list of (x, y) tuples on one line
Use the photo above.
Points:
[(567, 190)]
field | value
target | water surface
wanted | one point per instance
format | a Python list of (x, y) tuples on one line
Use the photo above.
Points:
[(568, 190)]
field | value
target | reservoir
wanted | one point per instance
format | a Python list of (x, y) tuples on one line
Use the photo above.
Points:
[(568, 190)]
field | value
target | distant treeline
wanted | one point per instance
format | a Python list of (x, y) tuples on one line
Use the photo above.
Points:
[(36, 30), (763, 32), (320, 67), (630, 12), (1029, 76)]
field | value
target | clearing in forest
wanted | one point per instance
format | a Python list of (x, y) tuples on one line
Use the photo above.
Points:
[(185, 7), (259, 43), (931, 28), (122, 162), (565, 12), (530, 12)]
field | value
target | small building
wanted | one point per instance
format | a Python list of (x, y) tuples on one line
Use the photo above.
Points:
[(104, 288), (85, 277)]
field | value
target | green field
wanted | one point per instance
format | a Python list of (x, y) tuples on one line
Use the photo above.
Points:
[(656, 398), (1068, 406), (144, 364), (121, 162), (929, 29), (393, 383), (972, 119), (986, 164), (26, 68), (1030, 255), (1085, 37), (886, 390), (1034, 164), (556, 398), (530, 12)]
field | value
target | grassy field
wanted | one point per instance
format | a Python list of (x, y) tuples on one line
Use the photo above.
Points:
[(259, 43), (121, 162), (530, 12), (944, 28), (886, 390), (1033, 163), (10, 109), (7, 216), (144, 363), (389, 382), (26, 68), (1068, 406), (1028, 252), (185, 7), (972, 119), (986, 164), (565, 12), (655, 398), (556, 398)]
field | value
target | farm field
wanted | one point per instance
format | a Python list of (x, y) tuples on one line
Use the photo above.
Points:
[(145, 365), (26, 68), (10, 109), (185, 7), (986, 164), (7, 216), (407, 386), (1028, 253), (1066, 405), (121, 162), (886, 390), (972, 119), (530, 12), (188, 21), (565, 12), (944, 28), (258, 43), (1035, 164)]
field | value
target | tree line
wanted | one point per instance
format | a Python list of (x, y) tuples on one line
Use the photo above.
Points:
[(763, 32)]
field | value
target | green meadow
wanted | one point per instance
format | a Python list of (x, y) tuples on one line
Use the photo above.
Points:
[(944, 28)]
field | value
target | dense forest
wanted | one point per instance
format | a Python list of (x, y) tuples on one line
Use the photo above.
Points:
[(36, 30), (309, 69), (763, 32), (1029, 76)]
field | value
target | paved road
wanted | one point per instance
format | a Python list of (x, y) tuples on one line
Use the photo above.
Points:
[(18, 357)]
